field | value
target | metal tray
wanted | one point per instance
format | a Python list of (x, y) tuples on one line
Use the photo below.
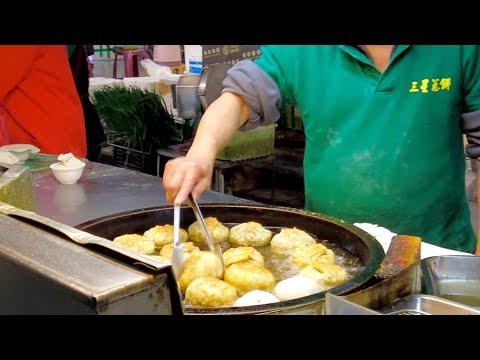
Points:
[(453, 277), (409, 305), (427, 305)]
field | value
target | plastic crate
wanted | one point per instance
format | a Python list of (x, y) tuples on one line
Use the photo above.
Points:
[(249, 144), (144, 161)]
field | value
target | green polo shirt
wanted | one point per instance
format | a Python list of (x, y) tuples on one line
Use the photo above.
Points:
[(384, 148)]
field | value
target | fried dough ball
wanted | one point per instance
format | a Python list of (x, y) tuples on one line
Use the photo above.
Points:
[(325, 274), (250, 234), (243, 254), (188, 249), (163, 235), (210, 292), (289, 239), (136, 243), (296, 287), (248, 277), (200, 264), (256, 297), (305, 254), (217, 230)]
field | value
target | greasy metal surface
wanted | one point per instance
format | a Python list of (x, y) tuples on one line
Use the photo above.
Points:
[(428, 304), (16, 187), (379, 293), (79, 274), (153, 300), (338, 305), (350, 237), (104, 190), (82, 237), (454, 277), (438, 268)]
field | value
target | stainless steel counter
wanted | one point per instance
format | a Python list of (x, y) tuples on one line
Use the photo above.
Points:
[(63, 277), (104, 190)]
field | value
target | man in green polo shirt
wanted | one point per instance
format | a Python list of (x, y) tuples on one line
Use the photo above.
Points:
[(383, 125)]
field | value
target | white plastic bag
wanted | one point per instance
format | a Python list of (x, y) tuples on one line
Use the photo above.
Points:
[(160, 73)]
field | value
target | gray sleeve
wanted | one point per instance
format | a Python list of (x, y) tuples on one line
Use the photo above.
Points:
[(471, 128), (257, 89)]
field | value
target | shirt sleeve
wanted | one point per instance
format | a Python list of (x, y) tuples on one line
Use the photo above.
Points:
[(471, 81), (17, 62), (471, 106), (257, 90), (471, 128)]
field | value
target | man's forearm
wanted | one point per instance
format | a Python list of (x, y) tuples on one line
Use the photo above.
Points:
[(219, 123)]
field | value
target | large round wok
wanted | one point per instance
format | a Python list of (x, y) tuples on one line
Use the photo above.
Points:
[(348, 236)]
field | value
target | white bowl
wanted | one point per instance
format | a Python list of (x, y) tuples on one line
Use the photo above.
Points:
[(21, 151), (67, 176), (21, 155)]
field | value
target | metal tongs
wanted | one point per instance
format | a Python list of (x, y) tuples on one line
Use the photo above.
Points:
[(177, 257), (214, 247)]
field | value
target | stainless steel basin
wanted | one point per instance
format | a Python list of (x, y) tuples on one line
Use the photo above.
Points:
[(453, 277), (427, 305)]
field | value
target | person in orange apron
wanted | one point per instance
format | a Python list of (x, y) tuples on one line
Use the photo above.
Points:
[(39, 103)]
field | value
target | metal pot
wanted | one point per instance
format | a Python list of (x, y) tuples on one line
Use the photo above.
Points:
[(195, 93), (186, 93), (211, 83), (355, 240)]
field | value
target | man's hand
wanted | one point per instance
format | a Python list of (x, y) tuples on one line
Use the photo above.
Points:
[(193, 172), (187, 174)]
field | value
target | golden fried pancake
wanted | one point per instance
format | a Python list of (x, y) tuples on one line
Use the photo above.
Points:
[(289, 239), (250, 234), (325, 274), (188, 249), (210, 292), (305, 254), (248, 277), (163, 235), (136, 243), (242, 254), (218, 231), (200, 264)]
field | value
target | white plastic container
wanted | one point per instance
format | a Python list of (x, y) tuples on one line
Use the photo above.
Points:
[(193, 59)]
